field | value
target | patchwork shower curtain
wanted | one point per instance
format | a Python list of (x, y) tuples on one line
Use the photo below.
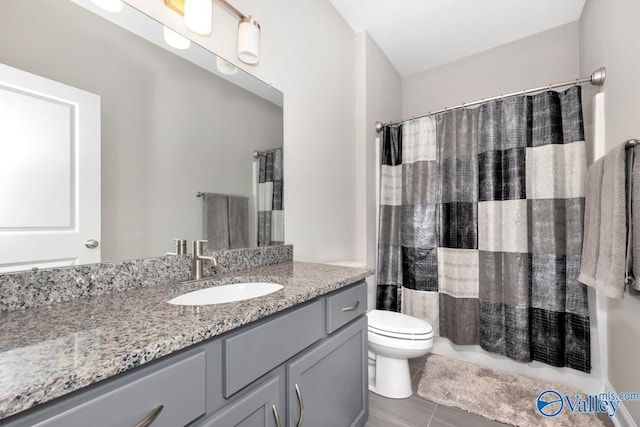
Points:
[(270, 208), (481, 226)]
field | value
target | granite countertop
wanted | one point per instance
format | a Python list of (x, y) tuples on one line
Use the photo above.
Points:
[(49, 351)]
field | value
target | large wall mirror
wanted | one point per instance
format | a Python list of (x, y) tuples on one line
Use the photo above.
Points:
[(171, 125)]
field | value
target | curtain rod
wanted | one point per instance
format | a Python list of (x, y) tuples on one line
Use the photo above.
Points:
[(597, 79)]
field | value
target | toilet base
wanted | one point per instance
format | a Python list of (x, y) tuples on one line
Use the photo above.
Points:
[(392, 378)]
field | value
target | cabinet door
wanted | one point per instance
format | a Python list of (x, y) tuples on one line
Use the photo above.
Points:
[(260, 408), (327, 386)]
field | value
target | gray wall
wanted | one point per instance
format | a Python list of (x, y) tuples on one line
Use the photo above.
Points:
[(609, 36), (169, 128), (547, 57)]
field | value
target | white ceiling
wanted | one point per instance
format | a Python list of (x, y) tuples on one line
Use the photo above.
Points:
[(419, 34)]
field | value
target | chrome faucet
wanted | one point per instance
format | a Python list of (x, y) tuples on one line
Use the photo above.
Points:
[(197, 258)]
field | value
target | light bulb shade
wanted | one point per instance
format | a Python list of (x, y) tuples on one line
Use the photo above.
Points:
[(249, 41), (197, 15), (174, 39), (225, 67), (109, 5)]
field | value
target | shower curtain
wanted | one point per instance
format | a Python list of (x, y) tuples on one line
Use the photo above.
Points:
[(270, 208), (481, 226)]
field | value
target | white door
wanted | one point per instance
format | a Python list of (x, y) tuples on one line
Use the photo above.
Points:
[(49, 173)]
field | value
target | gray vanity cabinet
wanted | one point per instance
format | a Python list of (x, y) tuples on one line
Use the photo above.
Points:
[(327, 386), (306, 362), (320, 349)]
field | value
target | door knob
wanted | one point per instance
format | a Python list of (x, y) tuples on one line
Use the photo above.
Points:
[(91, 244)]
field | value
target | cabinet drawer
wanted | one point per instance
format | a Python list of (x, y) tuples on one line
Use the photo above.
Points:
[(252, 353), (180, 388), (344, 306)]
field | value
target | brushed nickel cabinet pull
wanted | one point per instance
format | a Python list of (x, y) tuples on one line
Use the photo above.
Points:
[(351, 307), (151, 417), (301, 402), (276, 415)]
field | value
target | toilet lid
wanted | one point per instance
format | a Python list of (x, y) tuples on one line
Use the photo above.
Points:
[(397, 323)]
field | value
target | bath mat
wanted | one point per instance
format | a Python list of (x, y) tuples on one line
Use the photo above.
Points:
[(501, 396)]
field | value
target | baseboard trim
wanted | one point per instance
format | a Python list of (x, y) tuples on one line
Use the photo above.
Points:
[(622, 418)]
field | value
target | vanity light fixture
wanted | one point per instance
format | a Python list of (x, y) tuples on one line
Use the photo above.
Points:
[(226, 67), (109, 5), (175, 40), (197, 16), (249, 40), (197, 13)]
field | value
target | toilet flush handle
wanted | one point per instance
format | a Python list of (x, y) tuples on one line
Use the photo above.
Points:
[(351, 307)]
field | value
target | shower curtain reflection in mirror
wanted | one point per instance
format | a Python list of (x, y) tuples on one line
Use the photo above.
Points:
[(270, 209)]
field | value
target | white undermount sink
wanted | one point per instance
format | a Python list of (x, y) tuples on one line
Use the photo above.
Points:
[(226, 293)]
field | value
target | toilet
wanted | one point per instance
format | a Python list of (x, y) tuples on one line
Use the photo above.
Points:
[(393, 339)]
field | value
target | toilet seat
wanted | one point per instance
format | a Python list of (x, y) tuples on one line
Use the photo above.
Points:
[(392, 334), (397, 325), (398, 344)]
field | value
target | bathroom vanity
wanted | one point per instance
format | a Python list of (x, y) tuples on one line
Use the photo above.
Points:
[(294, 357)]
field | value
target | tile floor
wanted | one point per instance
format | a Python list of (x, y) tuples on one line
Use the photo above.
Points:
[(418, 412)]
